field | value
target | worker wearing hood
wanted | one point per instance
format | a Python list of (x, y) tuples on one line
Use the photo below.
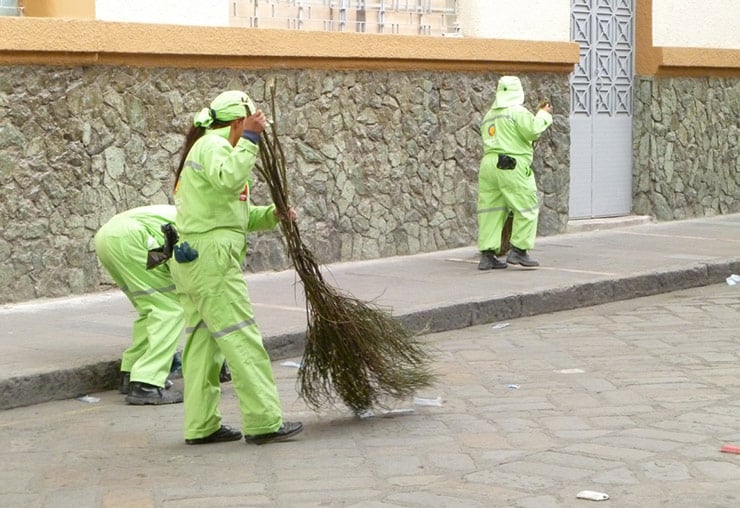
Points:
[(506, 183)]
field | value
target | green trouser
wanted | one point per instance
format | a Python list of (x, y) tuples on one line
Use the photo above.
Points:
[(121, 246), (220, 324), (501, 191)]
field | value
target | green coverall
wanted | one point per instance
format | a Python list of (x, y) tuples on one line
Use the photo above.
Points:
[(213, 217), (122, 244), (509, 128)]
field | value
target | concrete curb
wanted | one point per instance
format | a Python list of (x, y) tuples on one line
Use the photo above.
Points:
[(102, 376)]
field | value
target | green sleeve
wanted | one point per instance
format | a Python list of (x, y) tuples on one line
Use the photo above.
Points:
[(228, 168), (532, 126), (262, 218)]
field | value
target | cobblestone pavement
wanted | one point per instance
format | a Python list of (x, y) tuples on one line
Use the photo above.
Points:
[(633, 399)]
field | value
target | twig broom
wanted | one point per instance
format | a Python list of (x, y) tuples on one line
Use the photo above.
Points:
[(354, 350)]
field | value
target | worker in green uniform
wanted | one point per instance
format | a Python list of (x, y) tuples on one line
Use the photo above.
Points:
[(122, 245), (213, 216), (506, 183)]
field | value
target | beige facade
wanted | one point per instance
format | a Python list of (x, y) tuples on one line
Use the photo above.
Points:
[(169, 12), (542, 20), (697, 23)]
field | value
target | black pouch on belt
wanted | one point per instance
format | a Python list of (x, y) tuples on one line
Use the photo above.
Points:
[(156, 257), (506, 162)]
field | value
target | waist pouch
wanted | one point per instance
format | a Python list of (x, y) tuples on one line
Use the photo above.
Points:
[(506, 162), (156, 257), (184, 253)]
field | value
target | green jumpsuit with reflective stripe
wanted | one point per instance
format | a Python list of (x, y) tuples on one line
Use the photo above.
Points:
[(121, 245), (214, 215), (509, 131)]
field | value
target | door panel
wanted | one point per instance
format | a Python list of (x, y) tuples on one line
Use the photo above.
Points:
[(601, 108), (611, 185)]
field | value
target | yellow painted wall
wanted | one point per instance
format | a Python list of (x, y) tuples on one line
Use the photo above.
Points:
[(85, 42), (83, 9)]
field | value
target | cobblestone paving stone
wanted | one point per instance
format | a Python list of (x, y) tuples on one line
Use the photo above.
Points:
[(633, 398)]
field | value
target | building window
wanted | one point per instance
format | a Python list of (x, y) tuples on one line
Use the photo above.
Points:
[(406, 17)]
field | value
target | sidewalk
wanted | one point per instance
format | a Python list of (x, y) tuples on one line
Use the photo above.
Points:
[(61, 348)]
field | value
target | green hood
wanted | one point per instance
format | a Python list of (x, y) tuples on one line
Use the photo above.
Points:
[(509, 92)]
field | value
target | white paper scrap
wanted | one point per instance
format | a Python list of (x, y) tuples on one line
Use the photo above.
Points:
[(592, 495), (428, 402), (291, 364), (399, 411), (88, 399)]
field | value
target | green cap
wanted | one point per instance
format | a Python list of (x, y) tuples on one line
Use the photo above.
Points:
[(509, 92), (226, 107)]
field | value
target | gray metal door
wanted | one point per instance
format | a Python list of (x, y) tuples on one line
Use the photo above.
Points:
[(601, 108)]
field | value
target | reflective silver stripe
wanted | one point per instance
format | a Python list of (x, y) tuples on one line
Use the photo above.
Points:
[(506, 116), (533, 209), (495, 209), (142, 292), (225, 331), (191, 329), (193, 165)]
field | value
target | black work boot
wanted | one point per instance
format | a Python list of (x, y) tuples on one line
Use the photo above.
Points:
[(141, 394), (225, 433), (489, 261), (125, 381), (286, 431), (518, 256)]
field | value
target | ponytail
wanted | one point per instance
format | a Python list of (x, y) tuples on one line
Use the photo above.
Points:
[(193, 135)]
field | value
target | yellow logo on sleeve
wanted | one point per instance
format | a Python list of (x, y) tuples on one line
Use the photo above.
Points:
[(492, 130)]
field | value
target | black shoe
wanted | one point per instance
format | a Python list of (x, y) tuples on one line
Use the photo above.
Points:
[(225, 375), (125, 382), (286, 431), (225, 433), (520, 257), (141, 394), (489, 261)]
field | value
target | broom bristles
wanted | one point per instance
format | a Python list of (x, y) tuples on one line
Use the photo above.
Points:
[(355, 351), (506, 235)]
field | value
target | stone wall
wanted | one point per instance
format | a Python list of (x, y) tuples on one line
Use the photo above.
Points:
[(382, 163), (686, 148)]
